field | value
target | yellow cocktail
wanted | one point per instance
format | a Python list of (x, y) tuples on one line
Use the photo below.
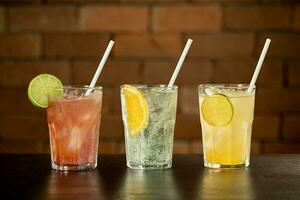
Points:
[(226, 113)]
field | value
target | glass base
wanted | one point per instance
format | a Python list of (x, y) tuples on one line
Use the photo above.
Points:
[(220, 166), (89, 166), (149, 166)]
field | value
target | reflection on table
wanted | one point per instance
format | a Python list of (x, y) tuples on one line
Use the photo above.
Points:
[(226, 184), (67, 184)]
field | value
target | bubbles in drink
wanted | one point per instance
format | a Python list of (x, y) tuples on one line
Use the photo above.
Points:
[(153, 146)]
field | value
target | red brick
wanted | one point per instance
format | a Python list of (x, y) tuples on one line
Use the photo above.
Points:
[(108, 1), (197, 147), (108, 100), (111, 127), (188, 102), (296, 17), (181, 147), (222, 45), (263, 103), (151, 1), (283, 45), (291, 127), (121, 149), (294, 74), (75, 45), (114, 72), (22, 147), (19, 45), (114, 101), (291, 2), (192, 72), (285, 148), (15, 100), (186, 18), (225, 1), (187, 127), (46, 148), (291, 100), (257, 17), (12, 73), (265, 127), (81, 1), (277, 100), (107, 147), (29, 126), (159, 45), (114, 18), (21, 1), (2, 19), (256, 148), (270, 75), (43, 18)]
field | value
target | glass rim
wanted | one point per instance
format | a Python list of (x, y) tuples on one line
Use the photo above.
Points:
[(79, 87), (165, 86), (230, 86)]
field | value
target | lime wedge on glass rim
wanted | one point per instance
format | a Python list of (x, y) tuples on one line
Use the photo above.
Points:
[(43, 87), (217, 110)]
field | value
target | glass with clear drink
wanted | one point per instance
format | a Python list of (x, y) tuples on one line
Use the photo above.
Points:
[(226, 113), (73, 120), (149, 114)]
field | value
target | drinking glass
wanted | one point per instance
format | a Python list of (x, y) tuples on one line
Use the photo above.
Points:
[(226, 113), (73, 120), (150, 146)]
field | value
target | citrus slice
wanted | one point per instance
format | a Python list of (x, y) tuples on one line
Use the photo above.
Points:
[(136, 108), (217, 110), (41, 88)]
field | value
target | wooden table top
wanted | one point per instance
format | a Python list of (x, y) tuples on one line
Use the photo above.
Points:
[(268, 177)]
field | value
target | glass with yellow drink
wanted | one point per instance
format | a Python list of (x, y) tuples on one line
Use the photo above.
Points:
[(226, 113)]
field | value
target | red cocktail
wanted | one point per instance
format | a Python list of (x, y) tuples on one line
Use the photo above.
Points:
[(74, 120)]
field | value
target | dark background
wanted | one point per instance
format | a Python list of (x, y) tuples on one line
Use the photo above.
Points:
[(68, 37)]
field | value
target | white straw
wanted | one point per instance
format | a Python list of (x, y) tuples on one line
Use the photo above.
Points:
[(259, 64), (180, 62), (100, 67)]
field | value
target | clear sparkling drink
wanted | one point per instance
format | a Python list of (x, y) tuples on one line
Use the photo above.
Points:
[(73, 121), (226, 113), (149, 114)]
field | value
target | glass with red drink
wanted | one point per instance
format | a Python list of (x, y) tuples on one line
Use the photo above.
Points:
[(74, 119)]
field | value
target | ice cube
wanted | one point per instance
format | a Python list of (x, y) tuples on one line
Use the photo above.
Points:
[(87, 116), (212, 91), (75, 139)]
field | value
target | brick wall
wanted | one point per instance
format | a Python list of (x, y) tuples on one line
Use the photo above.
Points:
[(67, 38)]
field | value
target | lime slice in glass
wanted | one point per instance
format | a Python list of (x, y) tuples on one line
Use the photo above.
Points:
[(217, 110), (43, 87)]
